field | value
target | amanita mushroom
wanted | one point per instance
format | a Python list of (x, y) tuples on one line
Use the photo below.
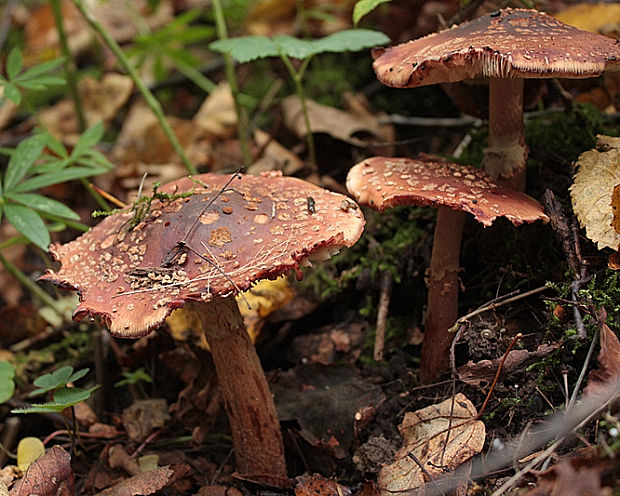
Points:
[(506, 46), (204, 248), (384, 183)]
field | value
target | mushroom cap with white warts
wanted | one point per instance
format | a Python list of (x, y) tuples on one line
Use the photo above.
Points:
[(510, 43), (384, 183), (258, 227)]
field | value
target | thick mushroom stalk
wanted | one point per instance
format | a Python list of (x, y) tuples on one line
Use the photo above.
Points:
[(384, 183), (255, 431), (202, 240)]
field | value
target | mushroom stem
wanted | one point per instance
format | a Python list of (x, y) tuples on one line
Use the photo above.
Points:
[(256, 434), (443, 290), (506, 154)]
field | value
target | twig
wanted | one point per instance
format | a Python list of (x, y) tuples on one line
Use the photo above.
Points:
[(382, 313), (150, 99), (426, 472), (111, 198), (496, 304)]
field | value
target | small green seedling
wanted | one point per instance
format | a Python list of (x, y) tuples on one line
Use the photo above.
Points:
[(134, 378), (249, 48), (36, 78), (7, 384), (64, 396), (32, 167)]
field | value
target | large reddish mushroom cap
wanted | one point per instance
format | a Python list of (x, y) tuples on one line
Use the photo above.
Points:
[(505, 44), (384, 183), (261, 227)]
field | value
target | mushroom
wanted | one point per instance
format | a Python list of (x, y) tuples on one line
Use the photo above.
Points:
[(203, 241), (506, 46), (384, 183)]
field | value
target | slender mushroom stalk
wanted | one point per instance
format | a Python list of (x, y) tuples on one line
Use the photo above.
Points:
[(505, 46), (383, 183), (506, 153), (202, 241)]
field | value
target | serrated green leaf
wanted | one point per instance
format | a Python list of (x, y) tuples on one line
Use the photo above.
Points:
[(350, 40), (53, 380), (364, 7), (14, 63), (7, 385), (25, 155), (43, 204), (294, 47), (28, 223), (246, 48), (88, 139), (67, 174), (11, 92)]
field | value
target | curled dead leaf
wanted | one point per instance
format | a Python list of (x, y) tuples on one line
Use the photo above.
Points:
[(424, 436), (591, 192)]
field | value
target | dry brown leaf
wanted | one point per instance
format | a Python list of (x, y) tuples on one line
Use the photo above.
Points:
[(274, 156), (601, 17), (144, 416), (103, 98), (424, 433), (148, 482), (317, 485), (615, 207), (608, 360), (476, 373), (598, 175), (217, 116), (49, 475), (329, 120)]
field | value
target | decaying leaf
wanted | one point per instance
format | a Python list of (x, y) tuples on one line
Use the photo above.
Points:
[(323, 119), (144, 416), (476, 373), (608, 359), (148, 482), (575, 477), (317, 485), (603, 18), (49, 475), (424, 433), (28, 450), (591, 192)]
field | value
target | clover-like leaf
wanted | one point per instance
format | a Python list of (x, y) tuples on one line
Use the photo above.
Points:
[(53, 380)]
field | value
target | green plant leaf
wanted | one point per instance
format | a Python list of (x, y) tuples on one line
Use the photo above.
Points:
[(38, 70), (88, 139), (7, 385), (246, 48), (11, 92), (41, 82), (43, 204), (350, 40), (14, 63), (28, 223), (63, 398), (53, 380), (22, 160), (67, 174), (364, 7), (77, 375)]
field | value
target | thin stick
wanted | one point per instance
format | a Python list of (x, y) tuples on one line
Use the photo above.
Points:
[(382, 313), (495, 304), (150, 99), (497, 374), (426, 472), (111, 198)]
